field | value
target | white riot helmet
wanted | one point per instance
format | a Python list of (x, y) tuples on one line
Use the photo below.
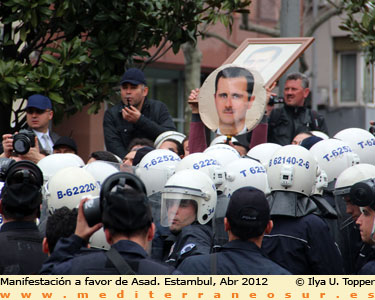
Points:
[(334, 156), (101, 169), (98, 240), (68, 186), (320, 134), (203, 162), (361, 142), (188, 185), (223, 153), (222, 139), (353, 175), (292, 168), (263, 152), (52, 163), (173, 135), (344, 182), (245, 172), (155, 168)]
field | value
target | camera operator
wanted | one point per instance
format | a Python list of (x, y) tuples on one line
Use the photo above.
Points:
[(37, 138), (125, 214)]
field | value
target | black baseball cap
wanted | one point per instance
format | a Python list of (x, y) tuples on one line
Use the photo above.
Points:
[(66, 141), (248, 204), (133, 76)]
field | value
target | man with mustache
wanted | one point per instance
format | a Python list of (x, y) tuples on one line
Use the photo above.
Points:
[(294, 117), (233, 97)]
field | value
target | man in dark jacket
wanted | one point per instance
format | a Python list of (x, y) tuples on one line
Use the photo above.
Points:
[(135, 116), (294, 117), (21, 252), (128, 228), (247, 220)]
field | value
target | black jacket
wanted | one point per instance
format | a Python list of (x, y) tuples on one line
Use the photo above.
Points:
[(194, 239), (155, 119), (234, 258), (369, 267), (303, 246), (70, 258), (286, 122), (21, 252)]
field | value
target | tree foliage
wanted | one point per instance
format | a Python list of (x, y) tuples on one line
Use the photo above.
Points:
[(360, 22), (75, 50)]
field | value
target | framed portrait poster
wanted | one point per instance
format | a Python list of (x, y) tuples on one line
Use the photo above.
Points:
[(271, 57)]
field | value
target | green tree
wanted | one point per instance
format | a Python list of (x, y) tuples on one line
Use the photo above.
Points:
[(74, 51), (360, 22)]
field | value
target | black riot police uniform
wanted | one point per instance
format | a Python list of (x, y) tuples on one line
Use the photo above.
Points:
[(300, 240), (234, 258), (194, 239), (70, 258), (21, 251), (369, 267)]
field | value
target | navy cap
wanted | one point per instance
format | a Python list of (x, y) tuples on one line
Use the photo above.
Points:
[(66, 141), (133, 76), (248, 204), (141, 152), (310, 141), (39, 101)]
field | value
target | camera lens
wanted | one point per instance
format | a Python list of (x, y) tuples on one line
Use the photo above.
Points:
[(21, 145)]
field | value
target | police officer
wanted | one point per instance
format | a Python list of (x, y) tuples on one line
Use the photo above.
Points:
[(21, 197), (247, 220), (187, 206), (362, 194), (128, 227), (300, 240), (354, 251)]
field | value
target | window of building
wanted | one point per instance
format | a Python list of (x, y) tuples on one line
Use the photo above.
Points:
[(368, 84), (167, 86), (348, 77)]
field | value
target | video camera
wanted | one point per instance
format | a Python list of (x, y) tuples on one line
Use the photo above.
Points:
[(275, 100), (117, 182)]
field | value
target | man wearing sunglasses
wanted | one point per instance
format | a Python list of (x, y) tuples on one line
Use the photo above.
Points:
[(38, 115)]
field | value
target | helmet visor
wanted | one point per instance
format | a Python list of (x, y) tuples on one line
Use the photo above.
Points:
[(178, 210), (347, 212)]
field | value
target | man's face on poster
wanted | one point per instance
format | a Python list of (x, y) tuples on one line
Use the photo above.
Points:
[(232, 101), (260, 60)]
